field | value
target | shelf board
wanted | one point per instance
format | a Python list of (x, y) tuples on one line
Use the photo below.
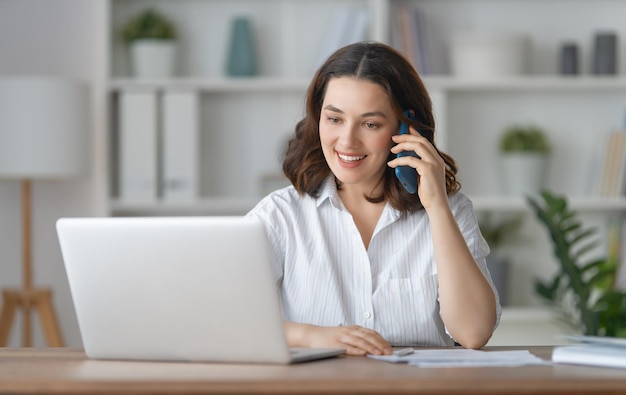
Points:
[(433, 82), (511, 204), (247, 84), (241, 205), (203, 206), (526, 83)]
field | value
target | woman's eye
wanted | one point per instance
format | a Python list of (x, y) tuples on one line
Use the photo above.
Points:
[(333, 120), (371, 125)]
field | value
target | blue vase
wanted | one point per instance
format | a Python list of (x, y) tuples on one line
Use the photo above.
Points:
[(242, 60)]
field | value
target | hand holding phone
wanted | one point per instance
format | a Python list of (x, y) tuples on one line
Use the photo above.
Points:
[(406, 174)]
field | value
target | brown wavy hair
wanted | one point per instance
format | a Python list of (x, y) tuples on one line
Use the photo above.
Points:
[(304, 163)]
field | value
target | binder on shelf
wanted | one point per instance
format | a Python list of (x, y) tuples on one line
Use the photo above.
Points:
[(138, 142), (181, 127)]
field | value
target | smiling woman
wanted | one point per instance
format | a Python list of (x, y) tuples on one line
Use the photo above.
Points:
[(360, 262)]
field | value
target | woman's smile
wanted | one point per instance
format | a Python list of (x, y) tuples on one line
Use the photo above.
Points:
[(351, 159)]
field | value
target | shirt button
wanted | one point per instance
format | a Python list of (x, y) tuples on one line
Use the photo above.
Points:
[(367, 315)]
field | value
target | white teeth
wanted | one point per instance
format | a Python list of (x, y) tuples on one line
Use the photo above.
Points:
[(347, 158)]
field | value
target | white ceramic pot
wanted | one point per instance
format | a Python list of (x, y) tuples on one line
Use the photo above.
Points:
[(522, 173), (153, 58), (481, 55)]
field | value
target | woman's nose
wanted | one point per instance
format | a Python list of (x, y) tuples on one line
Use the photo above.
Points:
[(349, 135)]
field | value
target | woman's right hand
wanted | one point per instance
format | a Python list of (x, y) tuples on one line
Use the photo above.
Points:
[(355, 339)]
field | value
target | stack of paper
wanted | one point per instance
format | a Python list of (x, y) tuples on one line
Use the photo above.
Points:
[(461, 357), (594, 350)]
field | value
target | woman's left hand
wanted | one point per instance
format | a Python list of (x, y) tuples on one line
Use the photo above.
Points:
[(430, 166)]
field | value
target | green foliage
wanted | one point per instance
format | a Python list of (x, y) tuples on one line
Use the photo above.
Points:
[(582, 289), (524, 139), (150, 24)]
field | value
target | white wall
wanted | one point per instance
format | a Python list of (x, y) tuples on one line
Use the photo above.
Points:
[(62, 38)]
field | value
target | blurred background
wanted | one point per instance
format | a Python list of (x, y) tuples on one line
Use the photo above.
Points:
[(190, 104)]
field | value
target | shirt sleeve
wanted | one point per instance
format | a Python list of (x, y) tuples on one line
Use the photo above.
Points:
[(268, 212), (463, 211)]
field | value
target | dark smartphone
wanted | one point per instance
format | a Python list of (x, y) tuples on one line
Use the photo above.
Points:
[(406, 174)]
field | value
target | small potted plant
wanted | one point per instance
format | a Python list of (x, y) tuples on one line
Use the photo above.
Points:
[(151, 37), (524, 154)]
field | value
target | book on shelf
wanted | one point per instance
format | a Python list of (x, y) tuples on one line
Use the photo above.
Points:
[(348, 25), (592, 350), (408, 35), (615, 239), (610, 165)]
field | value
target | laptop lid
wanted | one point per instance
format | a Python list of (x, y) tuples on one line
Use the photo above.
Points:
[(174, 288)]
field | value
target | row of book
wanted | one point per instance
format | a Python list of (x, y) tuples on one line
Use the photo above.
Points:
[(157, 146)]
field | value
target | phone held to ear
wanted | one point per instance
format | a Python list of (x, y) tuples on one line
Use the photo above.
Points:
[(406, 174)]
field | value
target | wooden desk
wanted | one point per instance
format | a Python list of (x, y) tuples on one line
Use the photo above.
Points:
[(67, 371)]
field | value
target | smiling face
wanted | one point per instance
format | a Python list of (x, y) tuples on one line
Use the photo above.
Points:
[(356, 125)]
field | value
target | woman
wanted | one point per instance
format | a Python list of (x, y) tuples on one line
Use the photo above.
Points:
[(361, 263)]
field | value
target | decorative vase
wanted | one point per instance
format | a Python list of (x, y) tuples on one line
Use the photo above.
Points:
[(605, 54), (569, 59), (523, 173), (242, 60), (153, 58)]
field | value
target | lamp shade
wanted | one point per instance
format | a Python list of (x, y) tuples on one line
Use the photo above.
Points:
[(44, 128)]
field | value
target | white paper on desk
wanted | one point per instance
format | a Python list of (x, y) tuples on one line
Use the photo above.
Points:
[(464, 358)]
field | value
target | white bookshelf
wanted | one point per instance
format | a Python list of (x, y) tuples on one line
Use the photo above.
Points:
[(245, 122), (290, 33)]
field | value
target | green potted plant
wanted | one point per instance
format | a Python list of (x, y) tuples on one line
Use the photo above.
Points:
[(584, 290), (524, 151), (151, 37)]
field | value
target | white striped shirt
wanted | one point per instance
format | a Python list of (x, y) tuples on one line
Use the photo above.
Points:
[(326, 276)]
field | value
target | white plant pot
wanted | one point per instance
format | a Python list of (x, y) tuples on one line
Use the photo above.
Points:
[(153, 58), (483, 55), (523, 174)]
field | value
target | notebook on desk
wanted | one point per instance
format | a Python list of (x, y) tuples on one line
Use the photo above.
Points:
[(176, 289)]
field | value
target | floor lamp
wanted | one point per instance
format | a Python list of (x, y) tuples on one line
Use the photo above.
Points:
[(43, 136)]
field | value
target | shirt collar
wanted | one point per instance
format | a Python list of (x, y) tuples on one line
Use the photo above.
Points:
[(328, 192)]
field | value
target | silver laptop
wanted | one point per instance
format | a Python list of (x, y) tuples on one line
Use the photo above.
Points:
[(176, 289)]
